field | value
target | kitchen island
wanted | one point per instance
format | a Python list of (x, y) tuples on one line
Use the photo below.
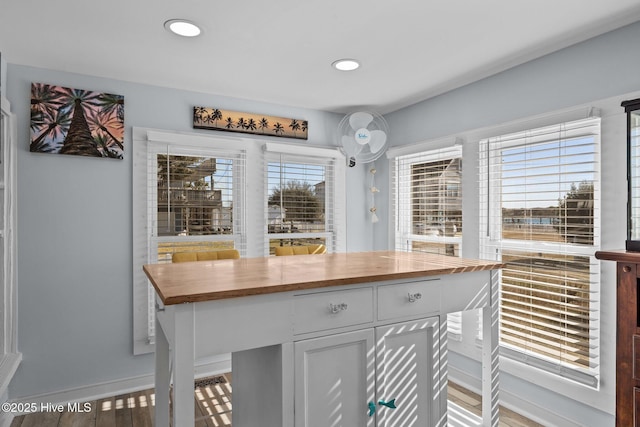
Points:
[(323, 340)]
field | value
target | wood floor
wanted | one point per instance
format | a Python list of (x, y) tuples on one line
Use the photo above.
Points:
[(212, 406)]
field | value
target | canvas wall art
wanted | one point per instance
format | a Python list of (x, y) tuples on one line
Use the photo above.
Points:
[(235, 121), (76, 121)]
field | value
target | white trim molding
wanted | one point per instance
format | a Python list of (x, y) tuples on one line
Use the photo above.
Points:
[(10, 358), (214, 366)]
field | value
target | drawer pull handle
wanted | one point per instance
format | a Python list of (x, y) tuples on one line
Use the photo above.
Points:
[(414, 297), (337, 308), (390, 404)]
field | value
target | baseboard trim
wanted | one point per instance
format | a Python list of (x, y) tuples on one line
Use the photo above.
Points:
[(6, 419), (8, 365), (512, 401), (92, 392)]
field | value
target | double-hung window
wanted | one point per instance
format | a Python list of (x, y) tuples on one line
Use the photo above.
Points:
[(189, 196), (194, 199), (428, 201), (304, 197), (540, 215)]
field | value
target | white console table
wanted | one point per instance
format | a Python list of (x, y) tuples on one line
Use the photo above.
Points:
[(350, 339)]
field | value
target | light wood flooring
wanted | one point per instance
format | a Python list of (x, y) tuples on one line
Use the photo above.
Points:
[(212, 406)]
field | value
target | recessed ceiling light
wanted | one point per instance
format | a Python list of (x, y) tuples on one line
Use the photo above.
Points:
[(346, 64), (182, 27)]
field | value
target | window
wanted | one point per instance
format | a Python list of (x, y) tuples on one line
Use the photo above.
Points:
[(632, 108), (194, 206), (427, 191), (197, 192), (189, 195), (303, 204), (540, 214)]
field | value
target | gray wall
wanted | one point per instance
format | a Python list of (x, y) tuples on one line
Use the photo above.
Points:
[(75, 235)]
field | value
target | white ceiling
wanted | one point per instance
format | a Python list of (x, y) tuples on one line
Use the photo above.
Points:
[(281, 51)]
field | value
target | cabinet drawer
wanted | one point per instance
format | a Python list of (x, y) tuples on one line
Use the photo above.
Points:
[(334, 309), (409, 299)]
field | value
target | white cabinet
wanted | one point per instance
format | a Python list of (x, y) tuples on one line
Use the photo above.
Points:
[(318, 356), (357, 378), (408, 370), (334, 380)]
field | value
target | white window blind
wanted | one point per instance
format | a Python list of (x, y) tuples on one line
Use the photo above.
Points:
[(428, 201), (540, 214), (302, 203), (427, 193), (196, 201)]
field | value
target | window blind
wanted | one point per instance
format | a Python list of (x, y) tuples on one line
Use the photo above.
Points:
[(428, 201), (427, 193), (300, 200), (196, 199), (540, 215)]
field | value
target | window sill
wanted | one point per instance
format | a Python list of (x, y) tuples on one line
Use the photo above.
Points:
[(574, 390)]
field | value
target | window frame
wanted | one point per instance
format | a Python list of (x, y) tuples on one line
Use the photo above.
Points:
[(335, 215), (403, 233), (492, 243)]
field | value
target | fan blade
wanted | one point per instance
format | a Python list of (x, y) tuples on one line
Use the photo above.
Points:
[(350, 146), (378, 138), (360, 120)]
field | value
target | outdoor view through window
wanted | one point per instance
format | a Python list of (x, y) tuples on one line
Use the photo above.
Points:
[(543, 191), (195, 204), (296, 203)]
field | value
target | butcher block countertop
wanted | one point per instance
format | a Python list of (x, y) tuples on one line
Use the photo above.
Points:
[(212, 280)]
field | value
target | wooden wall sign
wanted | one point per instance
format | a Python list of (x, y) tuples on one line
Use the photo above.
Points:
[(235, 121)]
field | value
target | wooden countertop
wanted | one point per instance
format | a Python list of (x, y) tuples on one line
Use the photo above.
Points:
[(211, 280)]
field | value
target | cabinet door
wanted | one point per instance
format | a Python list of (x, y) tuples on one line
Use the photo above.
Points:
[(408, 371), (334, 380)]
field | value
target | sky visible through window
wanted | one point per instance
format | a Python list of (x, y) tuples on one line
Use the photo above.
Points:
[(540, 175)]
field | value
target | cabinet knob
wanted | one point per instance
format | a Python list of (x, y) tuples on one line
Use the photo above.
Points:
[(414, 297), (337, 308), (390, 404), (372, 408)]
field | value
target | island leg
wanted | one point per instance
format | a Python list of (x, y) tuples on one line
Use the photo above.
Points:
[(443, 376), (163, 377), (183, 370), (491, 353)]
